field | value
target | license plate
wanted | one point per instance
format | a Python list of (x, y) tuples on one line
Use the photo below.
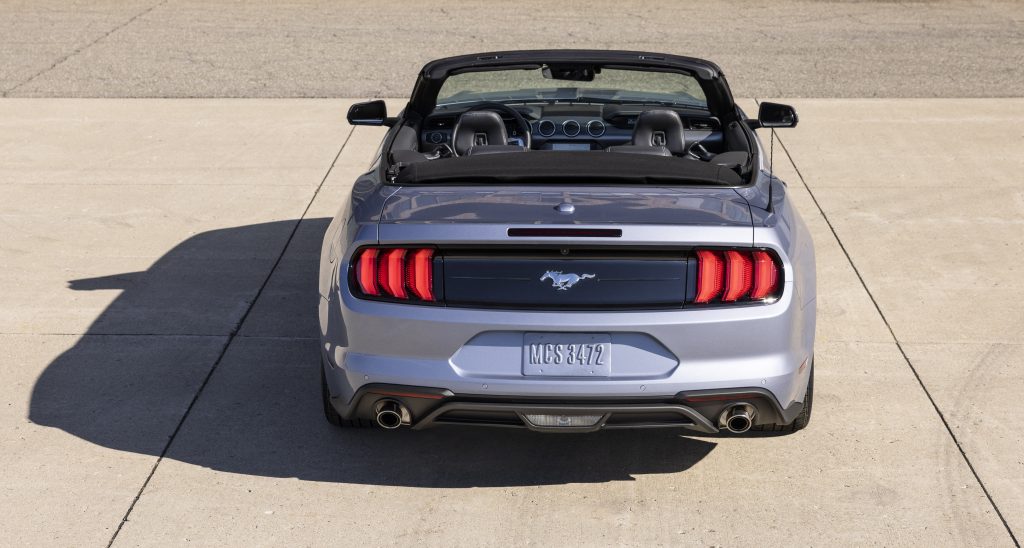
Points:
[(567, 354)]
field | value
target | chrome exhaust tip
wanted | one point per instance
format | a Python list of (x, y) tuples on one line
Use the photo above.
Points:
[(737, 419), (390, 414)]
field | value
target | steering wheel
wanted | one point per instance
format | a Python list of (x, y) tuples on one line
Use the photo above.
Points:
[(524, 126)]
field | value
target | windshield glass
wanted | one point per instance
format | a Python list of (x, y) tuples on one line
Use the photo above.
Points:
[(608, 86)]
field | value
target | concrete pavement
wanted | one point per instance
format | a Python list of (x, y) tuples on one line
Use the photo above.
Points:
[(354, 48), (158, 323), (933, 233)]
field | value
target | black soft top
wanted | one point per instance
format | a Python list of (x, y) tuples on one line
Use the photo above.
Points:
[(570, 167)]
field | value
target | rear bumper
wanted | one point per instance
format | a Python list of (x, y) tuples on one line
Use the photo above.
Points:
[(697, 411), (477, 353)]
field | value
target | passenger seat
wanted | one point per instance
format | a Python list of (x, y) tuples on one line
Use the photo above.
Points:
[(481, 132), (658, 132)]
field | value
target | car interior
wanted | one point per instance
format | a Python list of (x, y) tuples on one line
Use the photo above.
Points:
[(495, 128), (631, 113)]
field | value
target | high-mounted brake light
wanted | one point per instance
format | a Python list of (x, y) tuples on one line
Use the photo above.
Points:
[(736, 275), (399, 273)]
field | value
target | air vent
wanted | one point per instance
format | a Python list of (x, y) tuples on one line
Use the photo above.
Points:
[(595, 128), (546, 128), (441, 122), (701, 124), (571, 128)]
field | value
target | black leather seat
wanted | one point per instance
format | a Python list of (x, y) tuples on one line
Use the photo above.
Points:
[(659, 132), (481, 132)]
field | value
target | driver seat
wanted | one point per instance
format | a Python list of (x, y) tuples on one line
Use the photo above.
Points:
[(481, 132), (659, 132)]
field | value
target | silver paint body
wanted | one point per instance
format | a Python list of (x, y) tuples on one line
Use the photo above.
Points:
[(480, 352)]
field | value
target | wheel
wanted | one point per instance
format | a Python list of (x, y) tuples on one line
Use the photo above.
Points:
[(801, 420), (332, 414)]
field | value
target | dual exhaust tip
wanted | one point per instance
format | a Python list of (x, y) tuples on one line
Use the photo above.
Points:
[(391, 414), (738, 418)]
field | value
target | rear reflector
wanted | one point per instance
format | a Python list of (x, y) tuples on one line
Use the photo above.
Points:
[(736, 275), (398, 273)]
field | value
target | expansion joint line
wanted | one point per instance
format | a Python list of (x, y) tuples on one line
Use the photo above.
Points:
[(78, 50), (227, 344), (899, 346)]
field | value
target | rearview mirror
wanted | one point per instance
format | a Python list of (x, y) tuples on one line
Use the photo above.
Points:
[(370, 113), (569, 72), (776, 115)]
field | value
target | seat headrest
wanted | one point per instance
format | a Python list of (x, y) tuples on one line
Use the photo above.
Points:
[(478, 128), (660, 128)]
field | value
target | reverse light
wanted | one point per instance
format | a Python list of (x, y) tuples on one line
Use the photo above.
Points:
[(736, 276), (398, 273)]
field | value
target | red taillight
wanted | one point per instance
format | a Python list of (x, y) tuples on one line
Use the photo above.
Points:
[(736, 275), (366, 272), (766, 276), (400, 273), (739, 275), (420, 274), (392, 273), (709, 276)]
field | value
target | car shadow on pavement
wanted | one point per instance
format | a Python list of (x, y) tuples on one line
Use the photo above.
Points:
[(127, 382)]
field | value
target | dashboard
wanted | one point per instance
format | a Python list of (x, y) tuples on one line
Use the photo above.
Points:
[(573, 127)]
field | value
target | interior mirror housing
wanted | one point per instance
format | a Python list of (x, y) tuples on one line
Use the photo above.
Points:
[(370, 113), (569, 72), (776, 115)]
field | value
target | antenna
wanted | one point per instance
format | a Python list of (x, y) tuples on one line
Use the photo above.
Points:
[(771, 178)]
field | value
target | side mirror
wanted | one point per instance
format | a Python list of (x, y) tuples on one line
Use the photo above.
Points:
[(776, 115), (370, 113)]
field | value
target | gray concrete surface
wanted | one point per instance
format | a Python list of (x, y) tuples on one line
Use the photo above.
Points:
[(142, 382), (354, 48), (932, 232)]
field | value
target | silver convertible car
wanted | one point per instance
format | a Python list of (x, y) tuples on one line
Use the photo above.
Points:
[(569, 241)]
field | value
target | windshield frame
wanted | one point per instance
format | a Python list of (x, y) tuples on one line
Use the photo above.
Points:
[(712, 82), (563, 91)]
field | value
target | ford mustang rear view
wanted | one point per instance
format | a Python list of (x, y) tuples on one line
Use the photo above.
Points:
[(569, 241)]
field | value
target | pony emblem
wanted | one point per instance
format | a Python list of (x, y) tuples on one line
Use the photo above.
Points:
[(563, 282)]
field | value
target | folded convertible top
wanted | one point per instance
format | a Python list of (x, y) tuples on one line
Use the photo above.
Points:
[(572, 167)]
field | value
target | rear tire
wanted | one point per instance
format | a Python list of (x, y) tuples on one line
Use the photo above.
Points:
[(802, 420), (330, 413)]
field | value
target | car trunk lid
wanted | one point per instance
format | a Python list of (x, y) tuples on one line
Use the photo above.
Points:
[(540, 206), (526, 248)]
